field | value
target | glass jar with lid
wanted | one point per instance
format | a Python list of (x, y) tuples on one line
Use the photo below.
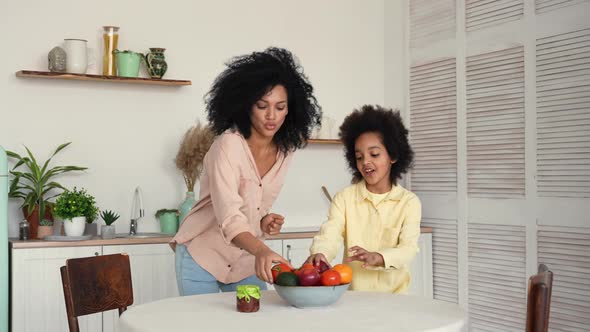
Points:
[(110, 38)]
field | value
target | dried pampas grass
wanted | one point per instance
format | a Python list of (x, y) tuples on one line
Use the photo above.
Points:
[(194, 145)]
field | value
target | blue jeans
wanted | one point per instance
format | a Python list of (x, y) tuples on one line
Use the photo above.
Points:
[(192, 279)]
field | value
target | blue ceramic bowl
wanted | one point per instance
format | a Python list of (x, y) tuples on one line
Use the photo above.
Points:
[(311, 296)]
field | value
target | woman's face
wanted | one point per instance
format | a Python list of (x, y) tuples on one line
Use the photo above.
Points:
[(373, 161), (268, 113)]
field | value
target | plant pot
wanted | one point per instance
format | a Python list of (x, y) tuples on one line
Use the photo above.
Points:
[(43, 231), (128, 63), (107, 231), (33, 219), (91, 229), (169, 223), (75, 226)]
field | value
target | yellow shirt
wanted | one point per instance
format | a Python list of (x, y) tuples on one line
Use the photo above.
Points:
[(391, 227)]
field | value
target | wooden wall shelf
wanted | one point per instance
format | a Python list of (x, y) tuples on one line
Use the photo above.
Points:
[(100, 78), (324, 141)]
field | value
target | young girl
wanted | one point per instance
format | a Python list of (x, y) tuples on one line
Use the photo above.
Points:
[(377, 219)]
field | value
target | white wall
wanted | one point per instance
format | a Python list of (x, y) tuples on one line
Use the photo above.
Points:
[(128, 134)]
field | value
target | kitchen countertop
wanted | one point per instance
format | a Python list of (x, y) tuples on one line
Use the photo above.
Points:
[(290, 233)]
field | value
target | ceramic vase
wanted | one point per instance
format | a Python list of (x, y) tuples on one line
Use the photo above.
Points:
[(77, 58), (156, 62), (186, 205)]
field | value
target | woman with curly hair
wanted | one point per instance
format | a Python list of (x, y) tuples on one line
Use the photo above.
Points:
[(376, 219), (262, 108)]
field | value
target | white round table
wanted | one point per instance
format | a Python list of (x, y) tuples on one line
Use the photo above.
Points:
[(354, 311)]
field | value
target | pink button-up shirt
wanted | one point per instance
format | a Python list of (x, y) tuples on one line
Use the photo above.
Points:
[(233, 199)]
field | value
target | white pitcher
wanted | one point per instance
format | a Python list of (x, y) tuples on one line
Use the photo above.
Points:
[(76, 55)]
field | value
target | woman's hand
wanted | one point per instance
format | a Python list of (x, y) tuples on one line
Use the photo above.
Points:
[(271, 223), (368, 258), (265, 258), (316, 258)]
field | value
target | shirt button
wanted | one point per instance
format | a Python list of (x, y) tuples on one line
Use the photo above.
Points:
[(228, 265), (260, 185), (258, 209)]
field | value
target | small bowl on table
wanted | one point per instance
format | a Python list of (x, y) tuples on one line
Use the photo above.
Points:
[(311, 296)]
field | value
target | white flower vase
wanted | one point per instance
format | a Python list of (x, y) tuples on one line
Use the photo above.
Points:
[(75, 226)]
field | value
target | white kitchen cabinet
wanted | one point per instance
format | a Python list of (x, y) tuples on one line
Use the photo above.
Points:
[(153, 275), (296, 251), (37, 298), (37, 294), (275, 245)]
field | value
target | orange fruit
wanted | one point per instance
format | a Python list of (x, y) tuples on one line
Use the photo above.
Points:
[(307, 266), (345, 273)]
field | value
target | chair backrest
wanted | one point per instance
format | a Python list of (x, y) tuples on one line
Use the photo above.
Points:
[(539, 300), (96, 284)]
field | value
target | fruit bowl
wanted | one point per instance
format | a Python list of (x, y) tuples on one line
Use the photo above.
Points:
[(311, 296)]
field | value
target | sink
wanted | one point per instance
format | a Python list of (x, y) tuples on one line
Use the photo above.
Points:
[(142, 235)]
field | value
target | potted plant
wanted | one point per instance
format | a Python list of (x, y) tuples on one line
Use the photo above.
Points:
[(35, 185), (76, 208), (45, 228), (189, 160), (107, 231), (168, 220)]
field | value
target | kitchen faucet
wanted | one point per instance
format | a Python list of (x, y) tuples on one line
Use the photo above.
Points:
[(136, 206)]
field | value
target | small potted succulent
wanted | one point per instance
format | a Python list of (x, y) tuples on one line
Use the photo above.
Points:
[(108, 231), (76, 208), (45, 228), (168, 220)]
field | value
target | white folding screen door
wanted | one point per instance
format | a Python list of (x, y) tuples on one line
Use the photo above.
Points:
[(498, 103)]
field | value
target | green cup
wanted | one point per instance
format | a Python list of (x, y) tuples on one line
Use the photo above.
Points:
[(128, 63), (169, 223)]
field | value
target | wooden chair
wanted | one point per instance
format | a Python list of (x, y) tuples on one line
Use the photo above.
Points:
[(539, 300), (96, 284)]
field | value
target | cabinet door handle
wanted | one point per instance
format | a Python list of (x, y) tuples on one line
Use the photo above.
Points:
[(288, 253), (96, 254)]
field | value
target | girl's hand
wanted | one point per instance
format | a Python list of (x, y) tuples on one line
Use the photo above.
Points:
[(316, 258), (362, 255), (271, 223), (265, 258)]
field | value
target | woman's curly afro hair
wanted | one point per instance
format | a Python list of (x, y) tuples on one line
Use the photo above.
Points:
[(247, 79), (389, 126)]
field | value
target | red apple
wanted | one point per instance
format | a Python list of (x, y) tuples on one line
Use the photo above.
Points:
[(321, 267), (309, 277)]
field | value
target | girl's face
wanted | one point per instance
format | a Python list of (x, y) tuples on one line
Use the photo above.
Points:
[(373, 161), (268, 113)]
